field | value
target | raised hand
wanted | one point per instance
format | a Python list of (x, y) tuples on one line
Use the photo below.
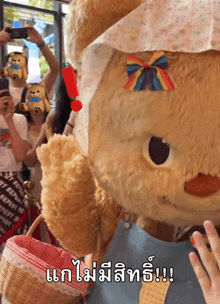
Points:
[(33, 35), (210, 280), (68, 195), (5, 37)]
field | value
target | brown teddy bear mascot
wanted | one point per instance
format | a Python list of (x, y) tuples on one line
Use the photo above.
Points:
[(17, 69), (147, 139), (37, 99)]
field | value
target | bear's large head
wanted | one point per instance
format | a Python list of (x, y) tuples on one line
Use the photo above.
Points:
[(36, 91), (18, 60), (157, 153)]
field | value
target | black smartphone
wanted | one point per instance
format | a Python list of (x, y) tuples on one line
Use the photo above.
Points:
[(18, 33), (4, 85)]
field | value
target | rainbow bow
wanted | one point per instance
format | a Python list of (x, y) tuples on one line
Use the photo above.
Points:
[(152, 74)]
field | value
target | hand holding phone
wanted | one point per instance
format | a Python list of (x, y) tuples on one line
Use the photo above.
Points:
[(4, 37), (33, 35), (5, 98), (4, 103), (18, 33)]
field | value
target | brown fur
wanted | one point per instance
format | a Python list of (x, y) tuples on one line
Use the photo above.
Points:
[(87, 20), (187, 118), (76, 209), (36, 91), (83, 200), (16, 60)]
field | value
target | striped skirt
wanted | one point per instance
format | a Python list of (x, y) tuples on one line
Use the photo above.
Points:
[(13, 213)]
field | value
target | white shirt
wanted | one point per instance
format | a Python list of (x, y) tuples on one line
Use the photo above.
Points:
[(7, 159), (16, 93)]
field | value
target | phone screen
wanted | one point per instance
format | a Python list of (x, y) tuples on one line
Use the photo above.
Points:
[(4, 85), (19, 33)]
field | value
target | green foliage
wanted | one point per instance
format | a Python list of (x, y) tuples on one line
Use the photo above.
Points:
[(50, 17), (11, 14), (33, 2), (43, 66), (47, 4), (43, 4)]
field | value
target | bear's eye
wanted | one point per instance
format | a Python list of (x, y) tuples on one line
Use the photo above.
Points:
[(158, 150), (38, 91), (18, 59)]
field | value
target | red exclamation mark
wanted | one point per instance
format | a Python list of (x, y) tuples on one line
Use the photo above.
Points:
[(70, 81), (171, 274), (157, 275)]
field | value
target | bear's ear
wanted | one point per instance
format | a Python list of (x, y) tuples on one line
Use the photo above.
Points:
[(88, 19), (42, 83), (11, 54), (29, 86), (24, 54)]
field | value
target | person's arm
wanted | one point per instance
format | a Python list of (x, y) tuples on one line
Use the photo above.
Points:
[(70, 124), (54, 66), (5, 37), (68, 129), (31, 158), (19, 146)]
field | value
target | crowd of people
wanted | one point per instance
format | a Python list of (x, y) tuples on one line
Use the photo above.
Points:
[(21, 134)]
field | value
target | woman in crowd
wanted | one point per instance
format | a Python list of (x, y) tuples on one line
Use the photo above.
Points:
[(62, 109), (13, 150), (35, 122), (35, 136), (38, 131), (16, 86)]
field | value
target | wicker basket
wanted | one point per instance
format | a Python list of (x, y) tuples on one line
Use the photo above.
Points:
[(23, 272)]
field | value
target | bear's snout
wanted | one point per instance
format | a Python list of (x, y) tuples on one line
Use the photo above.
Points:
[(15, 62), (202, 185), (34, 94)]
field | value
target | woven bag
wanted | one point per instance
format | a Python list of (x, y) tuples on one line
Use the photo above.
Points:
[(23, 267)]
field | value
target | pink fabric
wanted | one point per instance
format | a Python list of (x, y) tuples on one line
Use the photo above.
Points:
[(42, 256)]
